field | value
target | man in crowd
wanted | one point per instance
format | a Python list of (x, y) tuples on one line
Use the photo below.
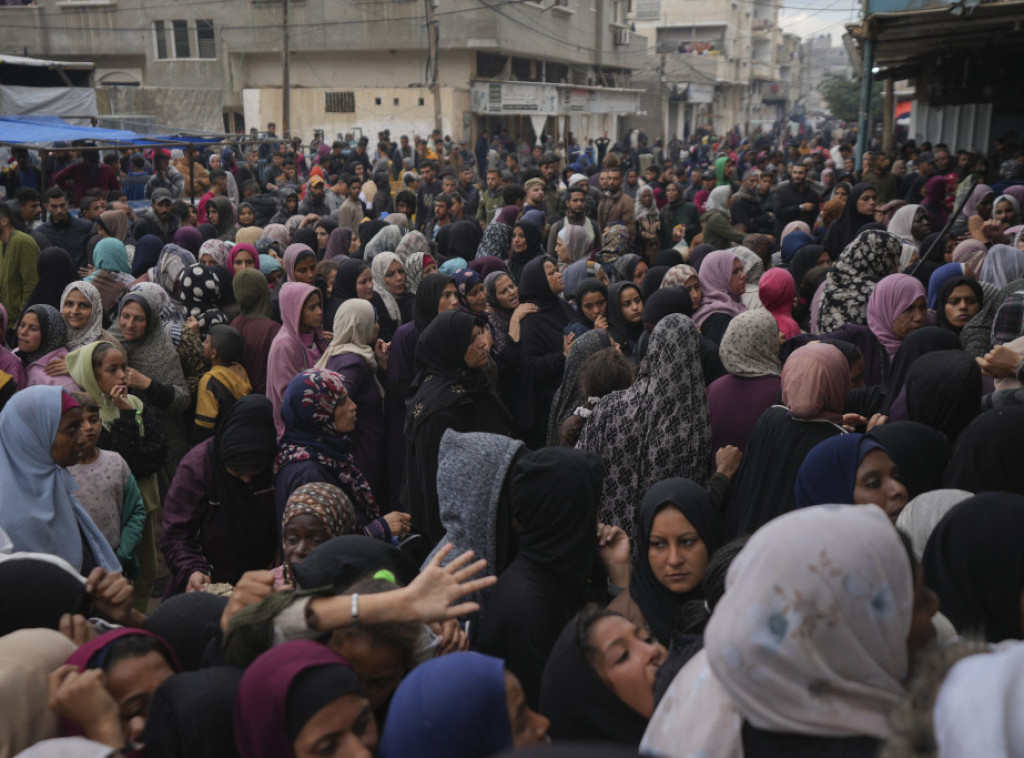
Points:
[(62, 230), (615, 204), (18, 274), (795, 200), (158, 219), (351, 212), (315, 201)]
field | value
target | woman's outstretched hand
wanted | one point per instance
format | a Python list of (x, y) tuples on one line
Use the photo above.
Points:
[(435, 593)]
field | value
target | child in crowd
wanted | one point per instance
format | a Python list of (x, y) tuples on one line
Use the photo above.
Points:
[(224, 383), (108, 490)]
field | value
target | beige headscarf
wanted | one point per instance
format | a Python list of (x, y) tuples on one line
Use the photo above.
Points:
[(27, 657), (353, 333)]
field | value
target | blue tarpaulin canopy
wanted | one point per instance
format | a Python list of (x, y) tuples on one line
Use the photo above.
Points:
[(45, 130)]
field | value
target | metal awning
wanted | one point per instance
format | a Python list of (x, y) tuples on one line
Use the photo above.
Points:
[(17, 60)]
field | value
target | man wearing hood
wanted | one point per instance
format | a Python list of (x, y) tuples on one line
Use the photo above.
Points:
[(746, 206)]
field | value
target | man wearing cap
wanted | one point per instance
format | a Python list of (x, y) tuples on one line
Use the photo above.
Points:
[(925, 169), (549, 171), (315, 201), (535, 195), (158, 219)]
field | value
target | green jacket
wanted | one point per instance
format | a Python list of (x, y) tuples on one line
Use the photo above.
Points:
[(490, 203), (718, 232), (18, 276)]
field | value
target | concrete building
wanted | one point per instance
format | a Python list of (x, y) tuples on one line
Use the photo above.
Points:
[(715, 65), (358, 65), (823, 58)]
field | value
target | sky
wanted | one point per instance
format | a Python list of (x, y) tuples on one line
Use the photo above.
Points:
[(809, 18)]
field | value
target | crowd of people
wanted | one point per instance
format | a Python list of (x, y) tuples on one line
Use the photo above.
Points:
[(703, 448)]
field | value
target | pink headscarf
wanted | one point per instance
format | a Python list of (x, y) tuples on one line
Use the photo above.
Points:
[(970, 252), (236, 250), (815, 381), (980, 192), (291, 256), (715, 276), (794, 226), (891, 296), (777, 290)]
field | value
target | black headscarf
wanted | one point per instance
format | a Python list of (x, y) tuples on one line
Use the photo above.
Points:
[(665, 301), (920, 452), (517, 261), (56, 271), (578, 703), (974, 560), (652, 281), (945, 291), (459, 240), (306, 236), (342, 561), (698, 253), (428, 295), (245, 440), (191, 715), (208, 231), (444, 379), (938, 253), (188, 622), (844, 229), (623, 332), (367, 231), (587, 286), (670, 257), (927, 339), (803, 260), (349, 271), (988, 453), (943, 390), (535, 288), (35, 593), (658, 604), (922, 271)]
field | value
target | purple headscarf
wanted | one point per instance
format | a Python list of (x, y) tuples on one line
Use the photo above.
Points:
[(715, 276)]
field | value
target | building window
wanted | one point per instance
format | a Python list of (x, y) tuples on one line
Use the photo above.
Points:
[(420, 101), (396, 101), (340, 102), (161, 39), (376, 101), (182, 49), (206, 38)]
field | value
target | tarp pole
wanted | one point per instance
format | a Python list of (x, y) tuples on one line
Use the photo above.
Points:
[(864, 118)]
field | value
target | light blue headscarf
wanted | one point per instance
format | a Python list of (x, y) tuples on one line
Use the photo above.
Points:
[(38, 509)]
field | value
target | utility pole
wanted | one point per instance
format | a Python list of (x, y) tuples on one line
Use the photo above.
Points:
[(433, 37), (286, 97)]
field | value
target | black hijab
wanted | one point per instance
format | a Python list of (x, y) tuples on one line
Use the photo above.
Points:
[(305, 236), (920, 452), (245, 440), (191, 715), (208, 231), (974, 560), (698, 253), (56, 271), (517, 262), (459, 240), (428, 295), (35, 593), (652, 281), (845, 229), (670, 257), (938, 253), (578, 703), (535, 288), (623, 332), (367, 231), (349, 270), (342, 561), (585, 287), (188, 623), (927, 339), (988, 453), (444, 379), (944, 391), (803, 260), (922, 271), (658, 604), (946, 290)]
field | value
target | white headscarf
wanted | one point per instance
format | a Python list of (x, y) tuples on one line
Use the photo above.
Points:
[(379, 267), (922, 514), (900, 224), (718, 200), (91, 331)]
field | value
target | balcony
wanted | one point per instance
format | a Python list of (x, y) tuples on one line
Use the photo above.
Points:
[(775, 92), (762, 70), (701, 69)]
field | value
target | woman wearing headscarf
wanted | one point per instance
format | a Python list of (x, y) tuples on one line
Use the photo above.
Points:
[(629, 267), (299, 343), (859, 210), (973, 543), (678, 530), (323, 229), (198, 290), (1003, 264), (172, 261), (39, 429), (571, 244), (219, 512), (722, 283), (911, 224), (147, 252), (278, 233), (553, 497), (215, 253), (750, 353), (222, 216), (648, 223), (451, 391), (845, 294), (339, 244), (542, 347), (815, 382), (298, 695), (978, 210), (896, 307), (567, 398), (189, 238), (496, 240), (112, 272), (353, 280), (669, 432), (471, 292), (678, 213), (459, 240), (82, 311), (987, 453), (255, 323), (422, 724), (190, 714), (319, 415), (27, 658), (315, 513), (934, 202), (505, 318), (943, 390), (525, 247), (384, 240), (42, 339), (717, 229), (355, 355), (56, 271), (392, 300), (924, 512), (927, 339), (625, 315), (417, 266), (959, 300), (769, 647), (920, 452), (777, 293)]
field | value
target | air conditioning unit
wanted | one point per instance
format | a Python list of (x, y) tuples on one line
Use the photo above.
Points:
[(620, 36)]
